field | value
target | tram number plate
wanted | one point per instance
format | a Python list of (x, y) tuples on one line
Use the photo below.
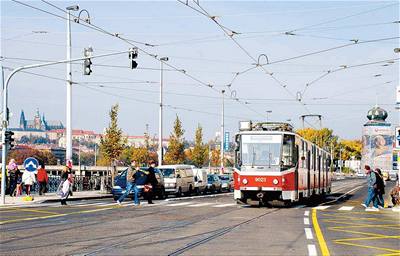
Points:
[(260, 179)]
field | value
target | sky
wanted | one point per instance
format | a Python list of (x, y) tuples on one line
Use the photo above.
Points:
[(307, 50)]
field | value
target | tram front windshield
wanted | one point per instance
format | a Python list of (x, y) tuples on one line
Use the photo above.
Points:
[(261, 150)]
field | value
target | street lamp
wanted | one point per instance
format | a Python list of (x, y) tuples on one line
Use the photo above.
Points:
[(68, 129), (268, 112), (160, 116), (222, 133)]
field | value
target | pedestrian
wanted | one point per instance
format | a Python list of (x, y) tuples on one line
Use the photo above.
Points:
[(151, 183), (14, 173), (28, 179), (371, 181), (65, 183), (43, 179), (19, 184), (130, 184), (379, 188), (141, 177)]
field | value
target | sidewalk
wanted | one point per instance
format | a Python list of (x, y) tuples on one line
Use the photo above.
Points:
[(52, 197)]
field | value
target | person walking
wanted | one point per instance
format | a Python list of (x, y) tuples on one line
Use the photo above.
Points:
[(151, 183), (130, 183), (380, 188), (65, 182), (371, 180), (141, 177), (28, 179), (19, 184), (14, 173), (42, 179)]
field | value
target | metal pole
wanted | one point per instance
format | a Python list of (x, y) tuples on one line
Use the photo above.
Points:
[(3, 140), (79, 154), (69, 92), (222, 133), (95, 154), (160, 118)]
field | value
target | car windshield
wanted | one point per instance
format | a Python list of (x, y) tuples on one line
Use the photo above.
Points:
[(225, 178), (168, 173), (261, 150)]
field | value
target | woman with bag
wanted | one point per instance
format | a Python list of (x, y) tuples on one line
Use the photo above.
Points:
[(28, 178), (379, 188), (65, 183)]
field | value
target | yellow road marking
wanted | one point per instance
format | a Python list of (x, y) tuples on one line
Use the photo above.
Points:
[(388, 226), (356, 232), (366, 238), (389, 254), (55, 215), (370, 247), (320, 237)]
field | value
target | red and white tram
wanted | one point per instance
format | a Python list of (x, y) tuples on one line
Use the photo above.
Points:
[(274, 163)]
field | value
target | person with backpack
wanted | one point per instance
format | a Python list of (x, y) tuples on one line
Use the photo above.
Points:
[(42, 178), (130, 183), (371, 181), (379, 189)]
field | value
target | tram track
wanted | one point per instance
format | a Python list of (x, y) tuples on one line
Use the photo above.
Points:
[(195, 219), (217, 233)]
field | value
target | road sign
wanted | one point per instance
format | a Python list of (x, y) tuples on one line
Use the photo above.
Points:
[(226, 141), (31, 164), (397, 134)]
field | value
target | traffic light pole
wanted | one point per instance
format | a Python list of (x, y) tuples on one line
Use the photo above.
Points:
[(5, 118)]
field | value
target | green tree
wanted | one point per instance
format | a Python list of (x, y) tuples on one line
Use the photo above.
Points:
[(175, 153), (351, 148), (112, 142), (140, 155), (198, 155)]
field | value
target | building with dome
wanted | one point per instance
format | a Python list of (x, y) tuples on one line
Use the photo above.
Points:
[(377, 138)]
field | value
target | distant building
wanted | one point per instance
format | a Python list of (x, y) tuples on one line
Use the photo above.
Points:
[(39, 123), (377, 138)]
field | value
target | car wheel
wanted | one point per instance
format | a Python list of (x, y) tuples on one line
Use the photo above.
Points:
[(161, 195), (116, 198), (197, 191)]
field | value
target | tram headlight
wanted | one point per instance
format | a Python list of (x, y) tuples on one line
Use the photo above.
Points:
[(245, 181), (275, 181)]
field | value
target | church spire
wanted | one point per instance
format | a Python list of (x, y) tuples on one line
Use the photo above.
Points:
[(22, 121)]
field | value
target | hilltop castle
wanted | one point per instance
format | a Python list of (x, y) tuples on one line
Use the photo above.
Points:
[(39, 123)]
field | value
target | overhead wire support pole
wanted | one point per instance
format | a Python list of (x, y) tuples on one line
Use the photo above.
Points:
[(222, 132), (5, 117)]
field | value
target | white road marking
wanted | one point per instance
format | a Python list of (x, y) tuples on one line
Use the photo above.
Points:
[(179, 204), (346, 208), (312, 250), (223, 205), (309, 234), (371, 209), (322, 207), (307, 213), (199, 205), (306, 221), (396, 209)]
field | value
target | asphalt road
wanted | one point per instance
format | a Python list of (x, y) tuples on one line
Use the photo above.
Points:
[(212, 225)]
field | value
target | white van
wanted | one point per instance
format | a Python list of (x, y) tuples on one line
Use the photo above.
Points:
[(178, 179), (200, 180)]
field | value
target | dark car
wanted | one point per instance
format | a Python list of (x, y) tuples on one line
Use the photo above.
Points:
[(227, 182), (214, 183), (120, 184)]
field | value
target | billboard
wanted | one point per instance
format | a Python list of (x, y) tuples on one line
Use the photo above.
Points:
[(377, 147)]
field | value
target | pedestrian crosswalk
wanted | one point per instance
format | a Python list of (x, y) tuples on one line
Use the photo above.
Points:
[(347, 208)]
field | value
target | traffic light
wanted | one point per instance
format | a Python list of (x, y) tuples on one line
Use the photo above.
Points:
[(87, 52), (10, 139), (86, 67), (133, 53)]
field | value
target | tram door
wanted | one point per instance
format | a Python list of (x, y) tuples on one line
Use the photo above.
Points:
[(319, 172), (296, 171)]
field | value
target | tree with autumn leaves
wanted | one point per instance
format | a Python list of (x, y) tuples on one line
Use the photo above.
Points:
[(176, 149), (326, 139)]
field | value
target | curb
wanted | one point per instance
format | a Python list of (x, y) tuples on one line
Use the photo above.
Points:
[(76, 198), (195, 197)]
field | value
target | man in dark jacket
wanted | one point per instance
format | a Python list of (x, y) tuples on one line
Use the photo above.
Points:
[(151, 181)]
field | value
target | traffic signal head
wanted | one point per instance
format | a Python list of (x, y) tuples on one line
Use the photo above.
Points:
[(133, 64), (86, 66), (9, 139)]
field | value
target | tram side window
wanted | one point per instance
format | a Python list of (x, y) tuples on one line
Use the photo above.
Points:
[(288, 151)]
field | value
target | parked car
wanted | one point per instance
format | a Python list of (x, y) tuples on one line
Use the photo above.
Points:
[(214, 183), (178, 179), (227, 182), (200, 180), (120, 184)]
